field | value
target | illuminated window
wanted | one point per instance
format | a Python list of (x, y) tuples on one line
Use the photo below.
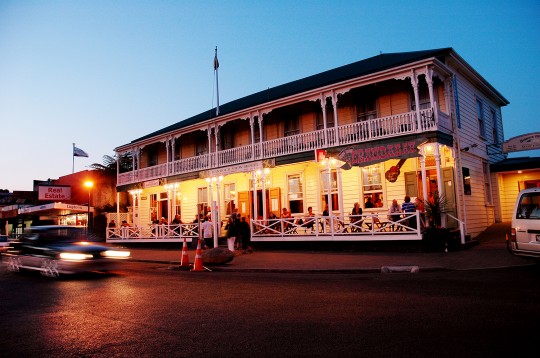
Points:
[(295, 194), (372, 185), (229, 194), (333, 189)]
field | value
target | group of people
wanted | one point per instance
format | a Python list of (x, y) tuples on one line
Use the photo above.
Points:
[(395, 211), (239, 231)]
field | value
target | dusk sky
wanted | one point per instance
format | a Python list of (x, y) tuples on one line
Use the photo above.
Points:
[(103, 73)]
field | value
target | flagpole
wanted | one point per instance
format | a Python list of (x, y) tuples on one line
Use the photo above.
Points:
[(216, 66), (73, 159)]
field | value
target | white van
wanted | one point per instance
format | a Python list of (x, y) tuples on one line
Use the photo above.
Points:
[(525, 236)]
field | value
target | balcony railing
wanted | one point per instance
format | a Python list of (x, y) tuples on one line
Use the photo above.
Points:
[(370, 130), (367, 227)]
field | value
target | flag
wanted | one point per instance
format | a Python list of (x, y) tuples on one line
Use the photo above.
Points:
[(78, 152), (216, 62)]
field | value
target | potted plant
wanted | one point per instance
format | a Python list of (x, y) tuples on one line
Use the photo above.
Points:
[(435, 236)]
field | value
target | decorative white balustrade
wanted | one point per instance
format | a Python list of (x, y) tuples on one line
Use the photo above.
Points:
[(358, 132), (367, 227)]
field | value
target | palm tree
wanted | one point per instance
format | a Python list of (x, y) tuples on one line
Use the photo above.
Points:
[(109, 165)]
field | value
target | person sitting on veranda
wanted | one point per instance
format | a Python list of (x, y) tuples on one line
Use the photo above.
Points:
[(326, 220), (356, 216), (408, 207), (273, 221), (286, 214), (394, 212), (309, 219)]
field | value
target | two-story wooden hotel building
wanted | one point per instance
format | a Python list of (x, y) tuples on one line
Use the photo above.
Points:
[(397, 124)]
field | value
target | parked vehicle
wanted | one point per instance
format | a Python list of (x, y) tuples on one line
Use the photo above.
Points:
[(525, 233), (55, 250)]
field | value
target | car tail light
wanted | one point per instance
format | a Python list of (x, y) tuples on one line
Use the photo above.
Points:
[(513, 234)]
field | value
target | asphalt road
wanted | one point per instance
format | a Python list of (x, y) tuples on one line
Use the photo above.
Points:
[(147, 310)]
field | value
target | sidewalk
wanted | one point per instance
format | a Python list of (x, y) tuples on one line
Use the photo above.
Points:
[(490, 252)]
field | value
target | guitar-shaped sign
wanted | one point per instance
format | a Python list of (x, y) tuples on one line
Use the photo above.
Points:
[(393, 173)]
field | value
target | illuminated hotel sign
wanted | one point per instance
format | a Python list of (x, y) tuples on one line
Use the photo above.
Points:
[(367, 154), (529, 141), (54, 193)]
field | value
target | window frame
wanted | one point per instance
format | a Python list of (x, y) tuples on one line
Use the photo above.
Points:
[(374, 193), (495, 128), (334, 192), (302, 193), (480, 117)]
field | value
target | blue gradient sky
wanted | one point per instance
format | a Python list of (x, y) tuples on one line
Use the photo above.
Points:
[(102, 73)]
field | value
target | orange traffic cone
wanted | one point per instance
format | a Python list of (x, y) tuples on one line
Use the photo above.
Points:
[(198, 266), (185, 257)]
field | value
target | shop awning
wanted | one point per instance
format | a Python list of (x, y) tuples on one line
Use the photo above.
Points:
[(55, 209)]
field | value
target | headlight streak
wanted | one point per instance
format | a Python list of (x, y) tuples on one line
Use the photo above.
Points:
[(75, 256), (115, 254)]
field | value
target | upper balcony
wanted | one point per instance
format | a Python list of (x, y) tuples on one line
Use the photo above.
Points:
[(359, 132)]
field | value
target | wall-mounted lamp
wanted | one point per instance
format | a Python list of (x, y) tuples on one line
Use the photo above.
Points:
[(466, 149)]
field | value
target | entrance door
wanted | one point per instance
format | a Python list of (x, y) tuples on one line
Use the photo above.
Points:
[(449, 196), (244, 198)]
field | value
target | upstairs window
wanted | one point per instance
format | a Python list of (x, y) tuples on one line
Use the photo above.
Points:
[(495, 130), (329, 118), (292, 126), (201, 146), (423, 97), (152, 153), (480, 115), (366, 109)]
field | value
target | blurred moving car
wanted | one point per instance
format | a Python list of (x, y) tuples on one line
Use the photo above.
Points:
[(4, 243), (54, 250), (525, 235)]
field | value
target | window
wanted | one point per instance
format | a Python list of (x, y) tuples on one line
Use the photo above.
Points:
[(487, 186), (495, 132), (329, 118), (152, 155), (229, 194), (177, 203), (423, 97), (333, 189), (466, 181), (158, 206), (202, 201), (295, 194), (480, 115), (292, 126), (201, 146), (529, 207), (372, 185), (366, 109)]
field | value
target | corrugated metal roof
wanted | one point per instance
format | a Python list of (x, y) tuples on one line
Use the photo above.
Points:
[(360, 68)]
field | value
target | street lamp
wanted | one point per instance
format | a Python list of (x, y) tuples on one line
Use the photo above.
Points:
[(89, 185)]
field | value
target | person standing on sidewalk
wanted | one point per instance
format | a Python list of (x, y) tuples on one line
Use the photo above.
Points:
[(208, 232), (245, 235), (232, 232)]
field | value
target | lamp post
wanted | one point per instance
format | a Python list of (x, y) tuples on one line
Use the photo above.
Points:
[(89, 185)]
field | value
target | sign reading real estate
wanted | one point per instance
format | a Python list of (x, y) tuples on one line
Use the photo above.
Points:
[(54, 193), (529, 141)]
